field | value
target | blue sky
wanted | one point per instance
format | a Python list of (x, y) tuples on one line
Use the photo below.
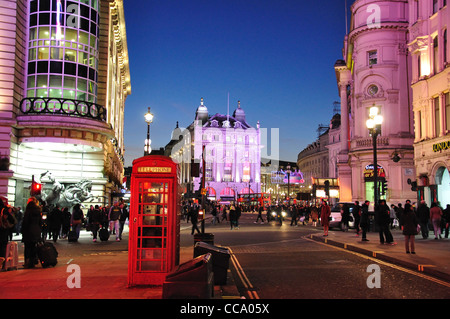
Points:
[(275, 56)]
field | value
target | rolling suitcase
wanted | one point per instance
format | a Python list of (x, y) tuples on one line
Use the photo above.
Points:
[(103, 234), (47, 254), (12, 256), (72, 236)]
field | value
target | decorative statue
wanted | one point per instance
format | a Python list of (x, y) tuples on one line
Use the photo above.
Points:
[(66, 197)]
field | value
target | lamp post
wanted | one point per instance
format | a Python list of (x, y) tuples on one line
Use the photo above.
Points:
[(288, 172), (374, 125), (149, 119)]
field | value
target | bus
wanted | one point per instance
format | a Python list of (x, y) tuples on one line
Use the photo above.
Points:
[(254, 199)]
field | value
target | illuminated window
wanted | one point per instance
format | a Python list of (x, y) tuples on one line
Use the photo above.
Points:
[(447, 111), (435, 6), (435, 55), (437, 117), (372, 57)]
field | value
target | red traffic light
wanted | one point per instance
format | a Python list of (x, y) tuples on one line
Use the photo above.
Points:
[(35, 188)]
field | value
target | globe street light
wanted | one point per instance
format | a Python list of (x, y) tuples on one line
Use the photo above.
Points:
[(374, 125), (149, 119)]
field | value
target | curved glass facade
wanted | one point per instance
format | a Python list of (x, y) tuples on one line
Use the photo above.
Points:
[(63, 49)]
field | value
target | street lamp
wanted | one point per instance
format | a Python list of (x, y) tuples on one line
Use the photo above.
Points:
[(149, 119), (288, 172), (374, 125)]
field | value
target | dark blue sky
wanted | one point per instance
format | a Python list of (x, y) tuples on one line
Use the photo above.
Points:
[(275, 56)]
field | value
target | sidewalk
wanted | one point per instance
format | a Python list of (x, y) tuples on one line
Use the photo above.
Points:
[(432, 256), (104, 274)]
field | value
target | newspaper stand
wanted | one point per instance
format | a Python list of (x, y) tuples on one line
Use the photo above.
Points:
[(154, 238)]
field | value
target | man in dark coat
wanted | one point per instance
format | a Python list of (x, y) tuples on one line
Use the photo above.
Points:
[(423, 214), (365, 220), (31, 231), (54, 220), (383, 219)]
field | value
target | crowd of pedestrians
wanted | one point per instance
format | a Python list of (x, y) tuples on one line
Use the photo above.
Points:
[(40, 222), (409, 219)]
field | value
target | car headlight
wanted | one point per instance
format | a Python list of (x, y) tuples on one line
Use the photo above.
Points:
[(274, 214), (283, 214)]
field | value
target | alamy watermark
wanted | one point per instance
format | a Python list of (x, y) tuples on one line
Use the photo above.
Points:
[(74, 279), (374, 19)]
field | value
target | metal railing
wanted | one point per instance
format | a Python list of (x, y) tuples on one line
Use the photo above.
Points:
[(60, 106)]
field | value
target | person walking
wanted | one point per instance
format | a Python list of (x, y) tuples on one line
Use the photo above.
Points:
[(435, 217), (95, 218), (123, 218), (233, 217), (194, 218), (294, 215), (357, 217), (7, 223), (314, 215), (325, 213), (260, 210), (66, 217), (345, 213), (423, 215), (54, 220), (77, 219), (382, 216), (114, 215), (446, 219), (392, 216), (409, 227), (365, 221), (31, 231)]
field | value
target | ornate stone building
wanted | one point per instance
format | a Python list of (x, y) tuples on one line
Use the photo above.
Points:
[(231, 151), (428, 44), (65, 78), (376, 70)]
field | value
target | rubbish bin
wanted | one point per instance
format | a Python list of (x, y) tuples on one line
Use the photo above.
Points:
[(204, 237), (220, 260), (191, 280)]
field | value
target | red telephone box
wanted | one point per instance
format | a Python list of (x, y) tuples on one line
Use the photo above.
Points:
[(154, 238)]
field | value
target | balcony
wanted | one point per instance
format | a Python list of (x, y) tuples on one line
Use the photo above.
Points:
[(63, 107)]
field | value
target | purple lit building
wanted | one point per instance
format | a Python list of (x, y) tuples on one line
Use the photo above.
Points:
[(231, 150)]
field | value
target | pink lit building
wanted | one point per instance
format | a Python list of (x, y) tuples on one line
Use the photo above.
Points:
[(65, 78), (231, 151), (376, 70), (429, 48)]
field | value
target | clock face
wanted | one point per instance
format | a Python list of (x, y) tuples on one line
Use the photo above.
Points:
[(372, 90)]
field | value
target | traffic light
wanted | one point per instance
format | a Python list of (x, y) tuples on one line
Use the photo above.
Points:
[(327, 188), (384, 187), (36, 188)]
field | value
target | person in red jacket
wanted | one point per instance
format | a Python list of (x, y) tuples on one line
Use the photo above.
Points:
[(325, 212), (435, 217)]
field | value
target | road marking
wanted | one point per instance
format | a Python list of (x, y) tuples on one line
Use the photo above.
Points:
[(379, 261), (243, 277)]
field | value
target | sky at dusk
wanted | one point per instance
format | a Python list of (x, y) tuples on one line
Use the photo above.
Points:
[(275, 56)]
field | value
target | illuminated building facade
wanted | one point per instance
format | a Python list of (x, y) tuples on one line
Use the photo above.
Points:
[(231, 151), (65, 79), (428, 44), (376, 70)]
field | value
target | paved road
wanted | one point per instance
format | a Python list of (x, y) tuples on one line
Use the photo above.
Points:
[(280, 262)]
